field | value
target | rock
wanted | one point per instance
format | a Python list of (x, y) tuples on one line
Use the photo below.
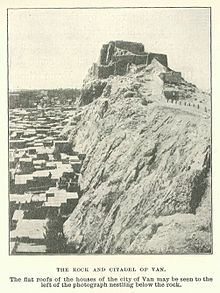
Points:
[(91, 91), (145, 101), (129, 94), (158, 188), (146, 175)]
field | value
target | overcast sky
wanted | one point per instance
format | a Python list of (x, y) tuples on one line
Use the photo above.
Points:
[(54, 48)]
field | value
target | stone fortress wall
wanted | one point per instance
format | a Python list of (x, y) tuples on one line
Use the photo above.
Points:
[(115, 57)]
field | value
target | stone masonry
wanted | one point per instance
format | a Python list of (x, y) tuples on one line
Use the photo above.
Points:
[(116, 56)]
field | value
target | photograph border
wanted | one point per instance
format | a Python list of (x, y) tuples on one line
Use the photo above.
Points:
[(211, 124)]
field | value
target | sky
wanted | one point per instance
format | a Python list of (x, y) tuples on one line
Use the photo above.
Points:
[(54, 48)]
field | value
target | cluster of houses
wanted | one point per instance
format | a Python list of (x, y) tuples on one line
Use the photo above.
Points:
[(44, 173)]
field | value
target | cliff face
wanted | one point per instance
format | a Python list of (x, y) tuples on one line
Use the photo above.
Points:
[(146, 175)]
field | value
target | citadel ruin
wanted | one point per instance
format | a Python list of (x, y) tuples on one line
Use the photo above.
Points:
[(116, 57)]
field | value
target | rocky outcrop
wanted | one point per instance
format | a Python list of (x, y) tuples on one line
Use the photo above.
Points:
[(91, 90), (146, 176)]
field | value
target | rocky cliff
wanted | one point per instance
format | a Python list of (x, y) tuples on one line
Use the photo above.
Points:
[(146, 176)]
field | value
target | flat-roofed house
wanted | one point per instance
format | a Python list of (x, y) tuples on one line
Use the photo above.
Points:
[(63, 146), (29, 231), (18, 215), (26, 165), (17, 144), (29, 248)]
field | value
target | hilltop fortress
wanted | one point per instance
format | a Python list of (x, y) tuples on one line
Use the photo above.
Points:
[(115, 58), (119, 58)]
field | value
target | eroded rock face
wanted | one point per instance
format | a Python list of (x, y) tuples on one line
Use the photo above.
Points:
[(91, 91), (146, 175)]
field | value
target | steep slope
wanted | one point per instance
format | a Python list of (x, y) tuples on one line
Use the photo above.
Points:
[(146, 175)]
